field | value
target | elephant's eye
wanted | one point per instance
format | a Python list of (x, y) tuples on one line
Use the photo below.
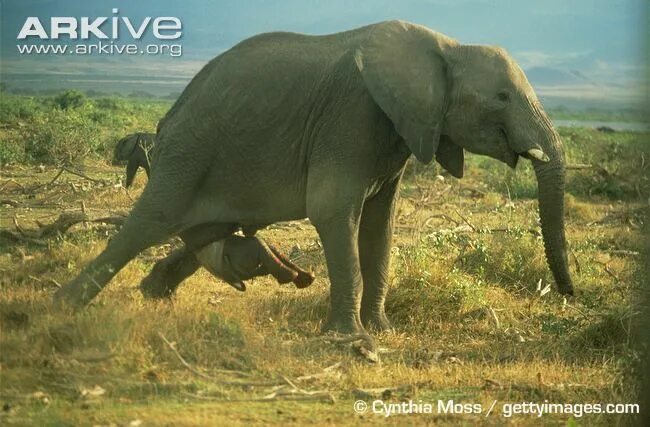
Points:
[(503, 96)]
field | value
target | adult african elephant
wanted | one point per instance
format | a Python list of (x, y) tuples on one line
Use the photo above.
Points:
[(285, 126)]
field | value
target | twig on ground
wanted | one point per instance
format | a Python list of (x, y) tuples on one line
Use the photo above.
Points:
[(12, 203), (297, 394), (623, 252), (54, 282), (578, 166), (61, 225), (95, 358), (58, 174), (344, 339), (611, 273), (309, 396), (18, 227), (291, 384), (184, 362), (330, 370), (466, 221), (443, 216), (575, 258), (19, 238), (493, 316), (113, 220), (82, 175), (39, 186), (585, 315), (198, 373), (210, 398)]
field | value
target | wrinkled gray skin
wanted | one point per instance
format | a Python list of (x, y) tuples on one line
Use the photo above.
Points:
[(286, 126), (235, 259), (232, 260), (135, 149)]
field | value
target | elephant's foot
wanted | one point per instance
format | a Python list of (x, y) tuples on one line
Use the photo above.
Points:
[(75, 294), (352, 333), (566, 289), (160, 283), (376, 321), (345, 324), (157, 286), (168, 273)]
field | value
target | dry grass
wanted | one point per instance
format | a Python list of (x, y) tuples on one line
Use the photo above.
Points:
[(471, 324)]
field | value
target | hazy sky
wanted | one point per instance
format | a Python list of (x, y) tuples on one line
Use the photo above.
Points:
[(600, 39), (611, 28)]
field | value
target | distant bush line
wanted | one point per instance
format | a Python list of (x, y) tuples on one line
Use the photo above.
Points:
[(70, 126)]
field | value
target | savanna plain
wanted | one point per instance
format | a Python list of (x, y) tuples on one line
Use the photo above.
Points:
[(477, 318)]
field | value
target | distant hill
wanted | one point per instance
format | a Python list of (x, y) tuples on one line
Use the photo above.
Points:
[(548, 76)]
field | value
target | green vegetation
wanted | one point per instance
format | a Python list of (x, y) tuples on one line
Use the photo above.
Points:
[(600, 115), (472, 322), (70, 126)]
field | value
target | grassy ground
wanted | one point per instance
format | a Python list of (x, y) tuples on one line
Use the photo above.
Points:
[(472, 325)]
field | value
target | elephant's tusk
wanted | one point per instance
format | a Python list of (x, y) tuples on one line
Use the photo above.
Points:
[(538, 154)]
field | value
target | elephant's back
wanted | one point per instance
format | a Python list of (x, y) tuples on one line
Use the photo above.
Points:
[(266, 77)]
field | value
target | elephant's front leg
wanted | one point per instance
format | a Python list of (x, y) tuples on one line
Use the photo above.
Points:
[(375, 237), (339, 235)]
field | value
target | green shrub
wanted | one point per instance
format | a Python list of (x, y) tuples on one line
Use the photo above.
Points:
[(70, 126), (61, 137), (71, 98)]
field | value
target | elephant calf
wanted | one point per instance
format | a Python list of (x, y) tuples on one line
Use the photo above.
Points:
[(238, 258), (135, 149), (233, 260)]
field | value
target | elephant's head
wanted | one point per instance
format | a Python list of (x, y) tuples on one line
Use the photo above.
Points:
[(444, 97), (125, 148)]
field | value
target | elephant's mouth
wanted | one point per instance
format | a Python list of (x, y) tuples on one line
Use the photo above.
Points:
[(510, 157)]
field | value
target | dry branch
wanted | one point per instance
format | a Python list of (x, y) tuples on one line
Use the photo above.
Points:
[(298, 394), (623, 252), (184, 362), (9, 202), (330, 370), (443, 216), (315, 396), (466, 221), (82, 175), (94, 358), (575, 258), (61, 225), (493, 315), (345, 339), (200, 374), (19, 238), (579, 166)]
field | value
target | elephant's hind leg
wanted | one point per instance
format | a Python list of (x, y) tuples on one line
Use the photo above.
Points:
[(156, 217), (137, 234)]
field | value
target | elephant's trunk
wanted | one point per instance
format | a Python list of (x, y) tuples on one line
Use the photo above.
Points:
[(550, 181)]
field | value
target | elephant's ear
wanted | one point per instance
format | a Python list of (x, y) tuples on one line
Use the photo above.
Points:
[(406, 75), (450, 156)]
